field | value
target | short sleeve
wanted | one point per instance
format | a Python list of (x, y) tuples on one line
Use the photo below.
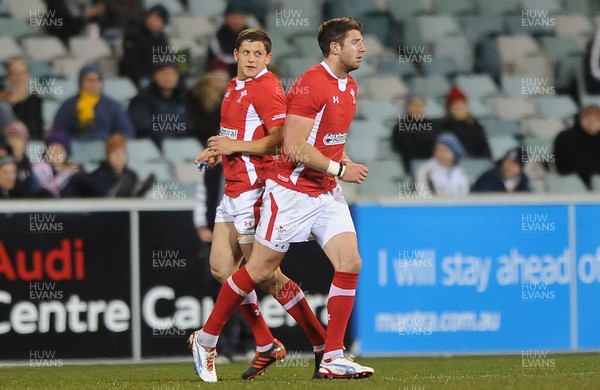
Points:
[(270, 106), (305, 97)]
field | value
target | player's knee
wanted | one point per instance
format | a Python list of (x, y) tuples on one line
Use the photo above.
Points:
[(350, 264), (260, 275), (219, 271)]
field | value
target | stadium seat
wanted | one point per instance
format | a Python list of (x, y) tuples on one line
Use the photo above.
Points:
[(181, 150), (573, 25), (556, 106), (394, 66), (487, 57), (440, 66), (547, 128), (570, 184), (383, 87), (88, 49), (9, 48), (87, 152), (294, 66), (477, 86), (500, 144), (120, 88), (596, 183), (198, 26), (68, 67), (161, 170), (433, 109), (513, 47), (512, 86), (195, 48), (552, 6), (497, 8), (498, 127), (454, 7), (59, 89), (361, 145), (21, 9), (306, 46), (538, 65), (474, 167), (562, 50), (378, 110), (174, 7), (43, 48), (49, 108), (435, 86), (405, 9), (185, 172), (514, 109), (141, 151), (457, 48), (383, 179), (538, 146), (379, 24), (207, 8), (578, 6), (15, 28), (372, 42), (479, 27), (40, 69), (432, 28), (480, 108)]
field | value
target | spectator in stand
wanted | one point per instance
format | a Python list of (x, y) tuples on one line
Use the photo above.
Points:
[(78, 17), (119, 16), (441, 175), (222, 43), (54, 176), (26, 105), (413, 135), (159, 111), (203, 102), (17, 137), (577, 150), (113, 175), (506, 176), (459, 121), (91, 115), (144, 44), (591, 68), (8, 178)]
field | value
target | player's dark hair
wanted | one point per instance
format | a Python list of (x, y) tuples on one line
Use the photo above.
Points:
[(336, 30), (254, 35)]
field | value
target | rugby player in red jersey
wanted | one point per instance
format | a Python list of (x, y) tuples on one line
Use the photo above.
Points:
[(252, 116)]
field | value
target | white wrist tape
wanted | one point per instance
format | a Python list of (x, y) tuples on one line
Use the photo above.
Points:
[(333, 168)]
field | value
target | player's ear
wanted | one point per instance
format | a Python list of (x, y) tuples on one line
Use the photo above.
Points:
[(334, 48), (268, 58), (235, 54)]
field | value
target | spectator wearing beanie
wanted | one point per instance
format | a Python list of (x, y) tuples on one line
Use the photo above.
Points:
[(441, 175), (459, 121), (91, 115), (113, 175), (577, 150), (16, 135), (159, 111), (506, 176), (143, 44), (413, 136), (222, 42)]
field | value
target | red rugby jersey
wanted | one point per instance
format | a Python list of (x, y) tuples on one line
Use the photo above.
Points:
[(318, 94), (250, 107)]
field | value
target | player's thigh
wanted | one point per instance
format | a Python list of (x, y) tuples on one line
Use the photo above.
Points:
[(342, 251), (225, 253)]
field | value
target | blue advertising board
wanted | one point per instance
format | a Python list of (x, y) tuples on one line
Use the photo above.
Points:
[(477, 278)]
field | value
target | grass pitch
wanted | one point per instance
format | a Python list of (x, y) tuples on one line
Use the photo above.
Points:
[(569, 371)]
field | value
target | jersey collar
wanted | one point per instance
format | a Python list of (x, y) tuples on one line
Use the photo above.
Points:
[(239, 84), (341, 82)]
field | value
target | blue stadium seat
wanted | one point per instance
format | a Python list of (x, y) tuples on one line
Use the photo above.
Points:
[(435, 86), (477, 86), (457, 48), (179, 150), (556, 106), (141, 151), (497, 127), (569, 184), (9, 48)]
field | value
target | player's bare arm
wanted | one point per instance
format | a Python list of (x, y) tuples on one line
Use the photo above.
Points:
[(295, 133), (260, 147)]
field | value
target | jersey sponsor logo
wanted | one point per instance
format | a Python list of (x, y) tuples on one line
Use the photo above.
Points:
[(283, 178), (334, 139), (229, 133), (278, 116)]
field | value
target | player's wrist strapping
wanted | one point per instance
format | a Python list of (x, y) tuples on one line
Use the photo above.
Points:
[(336, 169)]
